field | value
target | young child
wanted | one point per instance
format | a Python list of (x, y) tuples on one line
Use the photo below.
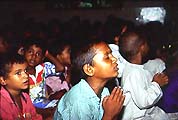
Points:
[(38, 71), (89, 99), (3, 44), (142, 89), (14, 103), (35, 50), (59, 84)]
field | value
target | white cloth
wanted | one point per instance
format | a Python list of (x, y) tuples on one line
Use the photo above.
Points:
[(141, 94), (120, 60), (155, 66)]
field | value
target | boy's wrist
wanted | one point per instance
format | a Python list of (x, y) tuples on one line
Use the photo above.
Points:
[(107, 117)]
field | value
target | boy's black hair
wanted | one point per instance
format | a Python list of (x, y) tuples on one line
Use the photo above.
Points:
[(81, 55), (58, 46), (7, 62), (128, 46), (38, 42)]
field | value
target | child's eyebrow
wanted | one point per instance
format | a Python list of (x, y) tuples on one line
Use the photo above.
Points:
[(17, 70)]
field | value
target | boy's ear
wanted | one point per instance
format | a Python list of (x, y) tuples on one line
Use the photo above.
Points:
[(142, 48), (88, 69), (2, 81)]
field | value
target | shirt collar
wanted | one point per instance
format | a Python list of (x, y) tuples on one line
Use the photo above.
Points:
[(4, 92), (135, 65), (85, 87)]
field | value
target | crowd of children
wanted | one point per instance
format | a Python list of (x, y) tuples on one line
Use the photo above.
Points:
[(38, 72)]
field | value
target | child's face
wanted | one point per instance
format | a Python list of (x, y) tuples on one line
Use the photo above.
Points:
[(34, 56), (104, 63), (17, 78), (3, 45)]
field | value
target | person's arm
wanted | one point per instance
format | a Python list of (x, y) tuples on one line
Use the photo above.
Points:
[(161, 79), (58, 66), (113, 104), (143, 92)]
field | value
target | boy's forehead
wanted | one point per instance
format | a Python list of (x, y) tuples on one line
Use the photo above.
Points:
[(101, 48), (16, 66), (35, 47)]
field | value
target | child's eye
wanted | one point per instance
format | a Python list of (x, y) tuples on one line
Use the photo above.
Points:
[(30, 52), (38, 54), (25, 70), (18, 73)]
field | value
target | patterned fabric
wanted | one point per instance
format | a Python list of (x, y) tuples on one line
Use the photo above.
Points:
[(58, 82), (38, 93)]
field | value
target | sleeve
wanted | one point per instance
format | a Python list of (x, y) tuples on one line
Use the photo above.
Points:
[(49, 69), (143, 92), (6, 109)]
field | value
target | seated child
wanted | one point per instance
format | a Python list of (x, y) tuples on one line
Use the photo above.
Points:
[(61, 82), (89, 99), (143, 90), (15, 104), (34, 52), (3, 44)]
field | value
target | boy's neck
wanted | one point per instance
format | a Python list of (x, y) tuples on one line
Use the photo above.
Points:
[(97, 85), (14, 93), (137, 59)]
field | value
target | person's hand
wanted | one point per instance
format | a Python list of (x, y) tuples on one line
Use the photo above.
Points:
[(113, 104), (161, 79)]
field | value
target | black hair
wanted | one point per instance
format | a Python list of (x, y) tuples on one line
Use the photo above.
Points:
[(7, 61), (81, 55), (129, 46), (58, 46), (6, 65), (38, 42)]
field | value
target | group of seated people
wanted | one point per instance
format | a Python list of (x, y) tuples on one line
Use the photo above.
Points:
[(36, 81)]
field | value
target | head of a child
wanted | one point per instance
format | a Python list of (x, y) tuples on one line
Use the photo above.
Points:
[(3, 44), (131, 44), (61, 49), (13, 74), (34, 51), (94, 60)]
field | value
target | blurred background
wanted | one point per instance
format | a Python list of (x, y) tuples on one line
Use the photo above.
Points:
[(137, 11)]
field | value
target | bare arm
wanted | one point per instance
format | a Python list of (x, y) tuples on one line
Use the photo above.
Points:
[(59, 67)]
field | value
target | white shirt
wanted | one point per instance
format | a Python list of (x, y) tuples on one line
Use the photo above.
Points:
[(141, 92), (120, 60), (155, 66)]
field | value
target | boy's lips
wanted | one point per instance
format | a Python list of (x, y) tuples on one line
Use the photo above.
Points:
[(25, 82), (116, 67)]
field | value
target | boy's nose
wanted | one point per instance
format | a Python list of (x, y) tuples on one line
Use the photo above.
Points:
[(25, 74), (33, 56)]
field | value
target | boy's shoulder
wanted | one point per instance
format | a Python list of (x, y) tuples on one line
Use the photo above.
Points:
[(79, 92)]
